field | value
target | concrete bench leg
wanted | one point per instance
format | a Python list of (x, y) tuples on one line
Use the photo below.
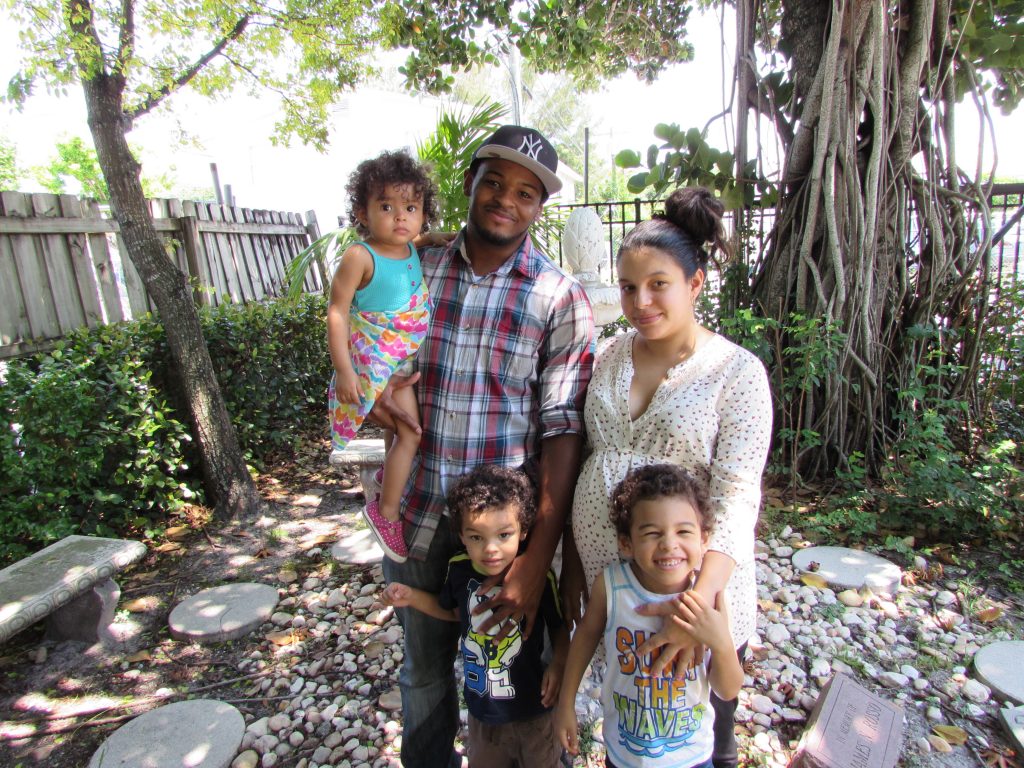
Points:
[(367, 479), (87, 618)]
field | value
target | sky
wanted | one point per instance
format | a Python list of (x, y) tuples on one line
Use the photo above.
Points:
[(235, 133)]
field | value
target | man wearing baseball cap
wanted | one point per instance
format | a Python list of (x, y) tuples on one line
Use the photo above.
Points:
[(500, 379)]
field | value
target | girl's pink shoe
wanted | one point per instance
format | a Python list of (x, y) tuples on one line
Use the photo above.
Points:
[(388, 534)]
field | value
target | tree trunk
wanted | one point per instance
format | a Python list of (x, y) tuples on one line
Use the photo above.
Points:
[(869, 270), (225, 476)]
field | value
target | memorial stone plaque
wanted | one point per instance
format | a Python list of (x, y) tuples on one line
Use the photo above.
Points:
[(850, 727)]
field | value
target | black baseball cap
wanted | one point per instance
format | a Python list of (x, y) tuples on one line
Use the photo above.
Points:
[(526, 147)]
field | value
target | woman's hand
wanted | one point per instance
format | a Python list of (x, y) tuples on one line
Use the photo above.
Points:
[(706, 623), (678, 648)]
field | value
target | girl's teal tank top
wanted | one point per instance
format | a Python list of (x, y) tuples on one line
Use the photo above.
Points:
[(393, 283)]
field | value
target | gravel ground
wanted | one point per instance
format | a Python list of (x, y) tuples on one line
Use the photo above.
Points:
[(317, 684)]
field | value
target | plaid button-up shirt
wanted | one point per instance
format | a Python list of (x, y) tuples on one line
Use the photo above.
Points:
[(504, 366)]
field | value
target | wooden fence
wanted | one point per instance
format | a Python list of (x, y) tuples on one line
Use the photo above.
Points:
[(63, 264)]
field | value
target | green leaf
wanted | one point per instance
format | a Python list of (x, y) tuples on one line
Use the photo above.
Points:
[(665, 132), (732, 197), (637, 183), (627, 158), (652, 156)]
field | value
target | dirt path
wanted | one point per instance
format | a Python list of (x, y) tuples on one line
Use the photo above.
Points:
[(58, 704), (63, 703)]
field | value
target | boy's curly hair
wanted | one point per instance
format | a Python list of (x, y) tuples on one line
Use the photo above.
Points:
[(372, 176), (489, 487), (658, 481)]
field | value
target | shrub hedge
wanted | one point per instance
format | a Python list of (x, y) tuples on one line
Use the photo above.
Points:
[(95, 440)]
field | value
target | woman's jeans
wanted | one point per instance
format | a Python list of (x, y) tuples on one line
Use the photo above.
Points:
[(430, 705)]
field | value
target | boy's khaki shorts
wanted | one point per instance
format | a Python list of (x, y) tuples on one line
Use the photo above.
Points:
[(522, 744)]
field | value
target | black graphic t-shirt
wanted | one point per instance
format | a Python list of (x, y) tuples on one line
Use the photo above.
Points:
[(502, 679)]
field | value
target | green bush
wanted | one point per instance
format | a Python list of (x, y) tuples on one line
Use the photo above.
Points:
[(88, 444), (273, 367), (95, 441), (928, 486)]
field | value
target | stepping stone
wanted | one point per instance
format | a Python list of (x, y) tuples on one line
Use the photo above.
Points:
[(361, 548), (1000, 666), (187, 734), (223, 613), (850, 568), (366, 455), (1013, 720)]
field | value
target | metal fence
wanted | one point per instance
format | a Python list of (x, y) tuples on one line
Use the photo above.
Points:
[(1007, 205), (1005, 202)]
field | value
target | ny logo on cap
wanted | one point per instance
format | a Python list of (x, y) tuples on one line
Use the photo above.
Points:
[(530, 146)]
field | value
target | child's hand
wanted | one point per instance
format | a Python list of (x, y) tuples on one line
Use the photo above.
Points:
[(430, 239), (551, 684), (567, 729), (346, 387), (398, 595)]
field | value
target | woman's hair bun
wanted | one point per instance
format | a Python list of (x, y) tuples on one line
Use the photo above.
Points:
[(699, 213), (696, 210)]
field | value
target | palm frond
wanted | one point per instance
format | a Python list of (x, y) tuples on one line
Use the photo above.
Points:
[(322, 252), (449, 150)]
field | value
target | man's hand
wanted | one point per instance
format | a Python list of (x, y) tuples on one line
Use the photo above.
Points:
[(518, 599), (386, 413)]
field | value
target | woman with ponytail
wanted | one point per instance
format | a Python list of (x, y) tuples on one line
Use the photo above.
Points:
[(671, 390)]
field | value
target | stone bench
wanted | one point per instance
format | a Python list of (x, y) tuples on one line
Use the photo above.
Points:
[(70, 584), (367, 456)]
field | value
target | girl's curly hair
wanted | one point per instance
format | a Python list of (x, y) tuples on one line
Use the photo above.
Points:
[(492, 487), (372, 176), (658, 481)]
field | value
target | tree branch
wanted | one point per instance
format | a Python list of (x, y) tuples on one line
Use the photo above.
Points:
[(186, 77), (79, 18), (126, 41), (763, 103)]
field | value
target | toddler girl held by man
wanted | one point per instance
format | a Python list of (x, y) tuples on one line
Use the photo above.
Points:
[(377, 318)]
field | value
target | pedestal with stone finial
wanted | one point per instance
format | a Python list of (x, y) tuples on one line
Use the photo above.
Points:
[(583, 246)]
